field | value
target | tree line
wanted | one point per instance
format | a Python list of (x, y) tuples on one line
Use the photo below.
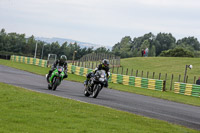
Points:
[(13, 43), (162, 44)]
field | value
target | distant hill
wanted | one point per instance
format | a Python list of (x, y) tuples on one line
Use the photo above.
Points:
[(62, 40)]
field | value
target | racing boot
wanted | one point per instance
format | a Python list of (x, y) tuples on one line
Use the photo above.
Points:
[(106, 85), (47, 77)]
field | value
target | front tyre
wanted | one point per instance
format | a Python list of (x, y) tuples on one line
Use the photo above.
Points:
[(86, 92), (55, 84), (96, 90)]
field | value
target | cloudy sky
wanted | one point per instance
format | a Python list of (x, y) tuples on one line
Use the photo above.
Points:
[(102, 22)]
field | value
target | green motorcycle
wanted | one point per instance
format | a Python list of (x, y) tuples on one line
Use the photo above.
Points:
[(56, 78)]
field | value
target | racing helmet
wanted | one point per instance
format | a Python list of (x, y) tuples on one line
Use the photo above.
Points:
[(105, 62), (63, 58)]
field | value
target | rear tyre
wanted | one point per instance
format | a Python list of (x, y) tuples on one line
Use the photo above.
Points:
[(49, 87)]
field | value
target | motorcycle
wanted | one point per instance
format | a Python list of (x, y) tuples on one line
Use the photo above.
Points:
[(95, 84), (56, 78)]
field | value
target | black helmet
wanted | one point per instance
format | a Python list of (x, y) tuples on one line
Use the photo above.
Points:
[(63, 58), (105, 62)]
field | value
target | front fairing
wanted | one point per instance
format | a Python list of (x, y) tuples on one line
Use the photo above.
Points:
[(57, 74), (100, 77)]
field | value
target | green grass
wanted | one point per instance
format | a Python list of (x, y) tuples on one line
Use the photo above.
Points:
[(22, 110), (163, 95), (163, 65)]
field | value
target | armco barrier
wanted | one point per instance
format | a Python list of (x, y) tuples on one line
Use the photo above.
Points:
[(187, 89), (146, 83), (29, 60)]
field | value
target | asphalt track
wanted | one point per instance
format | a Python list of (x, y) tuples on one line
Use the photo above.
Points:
[(172, 112)]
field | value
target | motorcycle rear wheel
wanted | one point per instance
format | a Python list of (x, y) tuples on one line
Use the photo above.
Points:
[(49, 87)]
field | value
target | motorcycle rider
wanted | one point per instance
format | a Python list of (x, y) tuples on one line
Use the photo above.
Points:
[(62, 62), (103, 66)]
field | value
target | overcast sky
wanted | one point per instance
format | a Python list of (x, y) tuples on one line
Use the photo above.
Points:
[(102, 22)]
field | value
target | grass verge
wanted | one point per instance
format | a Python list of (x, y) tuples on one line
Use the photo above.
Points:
[(163, 95), (27, 111)]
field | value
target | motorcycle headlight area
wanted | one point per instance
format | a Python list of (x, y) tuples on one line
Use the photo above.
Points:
[(101, 79), (59, 74), (102, 76)]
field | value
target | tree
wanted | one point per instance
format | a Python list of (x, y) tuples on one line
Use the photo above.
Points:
[(123, 48), (152, 51), (64, 49), (55, 47), (189, 42), (101, 50), (164, 41), (177, 52)]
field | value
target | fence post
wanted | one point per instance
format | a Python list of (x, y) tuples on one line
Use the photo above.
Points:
[(165, 77), (179, 78), (147, 74), (153, 75), (82, 64), (194, 79), (164, 85), (132, 72), (142, 74), (79, 62), (136, 73), (92, 65), (122, 71), (159, 76), (171, 82), (117, 70), (186, 78), (127, 71)]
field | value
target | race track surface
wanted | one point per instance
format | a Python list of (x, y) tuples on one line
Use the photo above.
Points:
[(173, 112)]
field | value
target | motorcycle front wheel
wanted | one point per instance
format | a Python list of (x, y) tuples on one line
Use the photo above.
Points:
[(96, 90), (86, 92), (55, 83)]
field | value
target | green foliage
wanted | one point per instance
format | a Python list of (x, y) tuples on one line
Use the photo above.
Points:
[(18, 44), (177, 52), (13, 43), (189, 42), (152, 51), (123, 48), (196, 53), (163, 42), (156, 44), (102, 50)]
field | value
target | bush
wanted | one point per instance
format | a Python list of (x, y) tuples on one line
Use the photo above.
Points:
[(177, 52)]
